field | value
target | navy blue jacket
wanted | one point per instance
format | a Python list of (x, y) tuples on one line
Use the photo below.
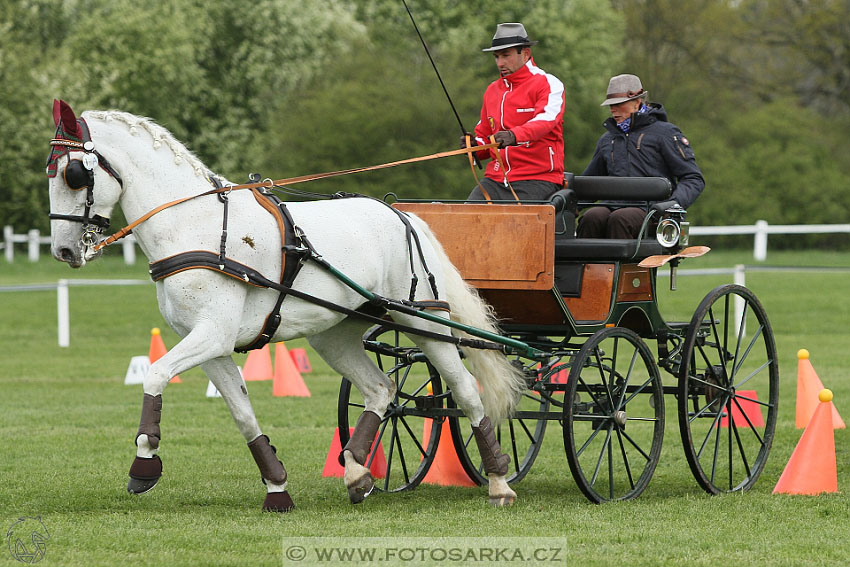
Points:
[(653, 147)]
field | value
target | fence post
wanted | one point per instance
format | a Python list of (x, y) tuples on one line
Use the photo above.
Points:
[(8, 232), (741, 280), (63, 313), (760, 244), (33, 244), (129, 250)]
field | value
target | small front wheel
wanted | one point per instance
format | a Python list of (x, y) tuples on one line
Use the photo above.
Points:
[(613, 416), (406, 437)]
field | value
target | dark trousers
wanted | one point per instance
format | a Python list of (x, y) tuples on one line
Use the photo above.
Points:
[(602, 222), (526, 190)]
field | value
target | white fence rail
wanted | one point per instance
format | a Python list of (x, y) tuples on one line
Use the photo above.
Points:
[(760, 230), (34, 240), (63, 316)]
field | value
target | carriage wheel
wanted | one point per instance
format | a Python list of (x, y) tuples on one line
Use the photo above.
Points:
[(520, 437), (613, 416), (406, 439), (729, 368)]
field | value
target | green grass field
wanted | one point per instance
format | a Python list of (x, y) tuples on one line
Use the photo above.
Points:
[(67, 427)]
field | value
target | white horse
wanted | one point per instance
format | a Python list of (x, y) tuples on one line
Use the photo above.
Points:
[(110, 157)]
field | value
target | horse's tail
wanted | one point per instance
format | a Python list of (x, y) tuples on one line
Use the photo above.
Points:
[(501, 382)]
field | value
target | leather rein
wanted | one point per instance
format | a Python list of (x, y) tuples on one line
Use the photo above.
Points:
[(270, 183)]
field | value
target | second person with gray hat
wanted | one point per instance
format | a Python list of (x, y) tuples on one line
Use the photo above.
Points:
[(638, 142)]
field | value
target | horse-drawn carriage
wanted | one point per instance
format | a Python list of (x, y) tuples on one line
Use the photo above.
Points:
[(575, 317), (588, 310)]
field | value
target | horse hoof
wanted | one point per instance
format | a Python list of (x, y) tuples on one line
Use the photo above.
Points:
[(144, 474), (278, 502), (503, 500), (361, 489), (136, 486)]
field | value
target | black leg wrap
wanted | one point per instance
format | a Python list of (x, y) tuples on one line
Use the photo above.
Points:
[(265, 455), (362, 438), (495, 462), (149, 424), (278, 502)]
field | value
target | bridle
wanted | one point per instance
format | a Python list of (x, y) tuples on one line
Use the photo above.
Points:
[(79, 174)]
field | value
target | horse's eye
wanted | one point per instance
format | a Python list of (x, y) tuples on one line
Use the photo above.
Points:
[(77, 176)]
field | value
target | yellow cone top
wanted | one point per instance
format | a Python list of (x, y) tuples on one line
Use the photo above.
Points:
[(802, 354), (825, 395), (155, 331)]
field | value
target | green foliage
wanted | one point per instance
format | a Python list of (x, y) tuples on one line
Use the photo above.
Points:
[(289, 88)]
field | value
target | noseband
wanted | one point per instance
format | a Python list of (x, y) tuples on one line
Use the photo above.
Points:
[(79, 174)]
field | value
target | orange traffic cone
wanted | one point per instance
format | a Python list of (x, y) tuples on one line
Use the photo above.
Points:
[(258, 365), (158, 350), (378, 468), (446, 469), (808, 386), (812, 467), (287, 379), (302, 362)]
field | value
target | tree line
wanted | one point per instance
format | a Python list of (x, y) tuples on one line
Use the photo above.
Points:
[(286, 87)]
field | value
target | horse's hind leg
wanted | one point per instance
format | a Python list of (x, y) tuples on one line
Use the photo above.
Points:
[(342, 348), (464, 389), (226, 378)]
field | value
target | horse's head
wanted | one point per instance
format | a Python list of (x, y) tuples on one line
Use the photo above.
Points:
[(83, 189)]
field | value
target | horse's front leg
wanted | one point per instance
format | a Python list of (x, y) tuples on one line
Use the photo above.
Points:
[(194, 349), (226, 378)]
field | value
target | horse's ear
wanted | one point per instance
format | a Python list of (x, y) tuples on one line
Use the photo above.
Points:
[(57, 113), (63, 113)]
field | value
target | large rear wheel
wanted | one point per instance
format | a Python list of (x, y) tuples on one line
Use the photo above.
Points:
[(728, 390)]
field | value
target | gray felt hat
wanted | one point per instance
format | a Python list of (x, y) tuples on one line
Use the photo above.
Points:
[(510, 35), (622, 88)]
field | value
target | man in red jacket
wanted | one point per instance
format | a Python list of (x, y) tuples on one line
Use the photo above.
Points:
[(523, 110)]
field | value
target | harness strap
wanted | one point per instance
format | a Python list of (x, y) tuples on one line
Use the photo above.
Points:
[(292, 258), (209, 260)]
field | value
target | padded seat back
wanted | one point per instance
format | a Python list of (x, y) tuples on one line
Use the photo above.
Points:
[(601, 188)]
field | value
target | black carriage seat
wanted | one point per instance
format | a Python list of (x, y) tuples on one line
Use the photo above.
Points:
[(583, 191)]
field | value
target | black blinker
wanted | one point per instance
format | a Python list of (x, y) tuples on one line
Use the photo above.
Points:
[(77, 176)]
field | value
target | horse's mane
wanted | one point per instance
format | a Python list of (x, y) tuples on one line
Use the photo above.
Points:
[(160, 136)]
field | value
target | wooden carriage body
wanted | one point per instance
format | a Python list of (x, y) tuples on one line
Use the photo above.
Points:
[(525, 261)]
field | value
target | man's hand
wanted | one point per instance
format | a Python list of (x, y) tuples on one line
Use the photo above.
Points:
[(505, 138), (472, 142), (662, 206)]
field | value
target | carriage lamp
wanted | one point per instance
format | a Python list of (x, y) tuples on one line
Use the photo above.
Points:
[(673, 229)]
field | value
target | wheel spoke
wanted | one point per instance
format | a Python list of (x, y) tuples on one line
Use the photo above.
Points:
[(737, 366), (750, 423), (633, 443), (625, 460), (713, 427), (741, 448), (422, 451), (601, 456), (596, 431)]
